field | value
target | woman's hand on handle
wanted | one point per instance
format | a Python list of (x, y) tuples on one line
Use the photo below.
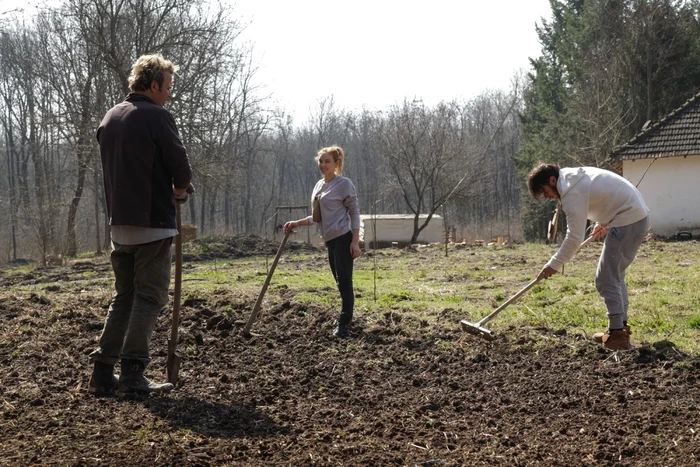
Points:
[(290, 226)]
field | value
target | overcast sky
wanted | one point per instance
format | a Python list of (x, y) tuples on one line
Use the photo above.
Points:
[(374, 53)]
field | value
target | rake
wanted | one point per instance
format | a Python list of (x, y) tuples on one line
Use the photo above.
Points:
[(478, 328)]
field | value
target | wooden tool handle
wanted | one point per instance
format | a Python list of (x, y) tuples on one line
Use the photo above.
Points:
[(524, 289), (173, 364), (507, 302), (258, 302)]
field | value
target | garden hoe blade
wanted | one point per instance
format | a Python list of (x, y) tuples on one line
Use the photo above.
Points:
[(174, 360), (258, 302)]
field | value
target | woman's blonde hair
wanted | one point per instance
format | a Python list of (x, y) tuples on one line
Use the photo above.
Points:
[(338, 156)]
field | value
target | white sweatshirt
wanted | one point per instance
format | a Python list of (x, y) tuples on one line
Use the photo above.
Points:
[(596, 194)]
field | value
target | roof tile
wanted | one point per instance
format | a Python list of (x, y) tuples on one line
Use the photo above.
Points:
[(677, 134)]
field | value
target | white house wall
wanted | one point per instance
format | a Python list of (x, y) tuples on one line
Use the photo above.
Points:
[(671, 189)]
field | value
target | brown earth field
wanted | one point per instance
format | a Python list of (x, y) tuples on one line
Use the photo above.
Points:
[(397, 392)]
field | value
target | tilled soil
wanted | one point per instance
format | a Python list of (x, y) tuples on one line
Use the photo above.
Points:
[(397, 392), (237, 246)]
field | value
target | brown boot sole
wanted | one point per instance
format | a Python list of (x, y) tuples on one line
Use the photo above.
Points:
[(618, 348)]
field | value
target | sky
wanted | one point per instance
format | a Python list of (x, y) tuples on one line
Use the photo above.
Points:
[(374, 53)]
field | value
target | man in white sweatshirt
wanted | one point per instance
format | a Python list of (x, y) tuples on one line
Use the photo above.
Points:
[(619, 211)]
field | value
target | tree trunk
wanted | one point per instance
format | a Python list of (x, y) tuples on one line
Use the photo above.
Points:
[(212, 209), (96, 191), (11, 186), (202, 208), (82, 154), (71, 242)]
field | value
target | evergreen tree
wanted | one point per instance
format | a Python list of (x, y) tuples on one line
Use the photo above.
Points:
[(606, 68)]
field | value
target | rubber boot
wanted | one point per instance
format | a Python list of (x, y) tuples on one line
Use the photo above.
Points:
[(132, 380), (103, 382)]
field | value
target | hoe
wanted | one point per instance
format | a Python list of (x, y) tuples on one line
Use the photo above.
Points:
[(174, 360), (478, 328), (258, 302)]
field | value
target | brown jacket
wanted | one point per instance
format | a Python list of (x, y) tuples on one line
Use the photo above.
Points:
[(142, 158)]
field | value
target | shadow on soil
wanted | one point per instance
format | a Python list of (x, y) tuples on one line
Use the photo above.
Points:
[(214, 419)]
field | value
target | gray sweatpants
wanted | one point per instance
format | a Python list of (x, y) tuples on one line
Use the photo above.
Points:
[(619, 250), (141, 280)]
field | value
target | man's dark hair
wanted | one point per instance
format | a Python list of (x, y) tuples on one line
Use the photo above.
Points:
[(538, 178)]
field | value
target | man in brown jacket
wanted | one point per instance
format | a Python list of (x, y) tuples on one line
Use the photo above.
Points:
[(146, 171)]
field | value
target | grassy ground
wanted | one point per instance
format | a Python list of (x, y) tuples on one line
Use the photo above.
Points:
[(471, 281), (468, 283)]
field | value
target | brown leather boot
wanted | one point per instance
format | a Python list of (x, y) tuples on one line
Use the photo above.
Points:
[(598, 336), (617, 340)]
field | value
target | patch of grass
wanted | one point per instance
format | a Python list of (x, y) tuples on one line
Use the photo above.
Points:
[(395, 298), (89, 273), (445, 346), (19, 269), (192, 350), (419, 286), (143, 435), (322, 299)]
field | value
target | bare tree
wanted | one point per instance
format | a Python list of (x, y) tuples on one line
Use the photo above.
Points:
[(423, 147)]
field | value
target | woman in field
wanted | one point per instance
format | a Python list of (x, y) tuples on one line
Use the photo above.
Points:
[(337, 213)]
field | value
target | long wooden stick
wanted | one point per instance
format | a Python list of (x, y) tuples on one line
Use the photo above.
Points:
[(258, 302), (173, 364), (524, 289), (506, 303)]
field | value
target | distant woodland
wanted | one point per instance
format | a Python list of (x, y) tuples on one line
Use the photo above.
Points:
[(606, 69)]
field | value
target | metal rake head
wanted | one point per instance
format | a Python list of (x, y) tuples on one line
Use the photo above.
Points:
[(477, 330)]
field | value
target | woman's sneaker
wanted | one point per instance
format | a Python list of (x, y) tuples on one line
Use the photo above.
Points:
[(341, 331)]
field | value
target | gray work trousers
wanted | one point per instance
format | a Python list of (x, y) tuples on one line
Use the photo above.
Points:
[(619, 250), (141, 281)]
